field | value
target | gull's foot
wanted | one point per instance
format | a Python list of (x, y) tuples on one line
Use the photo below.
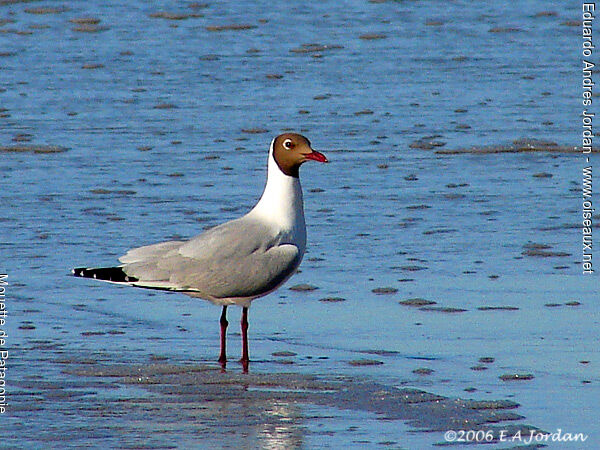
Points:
[(223, 364)]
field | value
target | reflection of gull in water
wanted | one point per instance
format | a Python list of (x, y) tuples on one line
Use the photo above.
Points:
[(238, 261), (249, 423), (284, 433)]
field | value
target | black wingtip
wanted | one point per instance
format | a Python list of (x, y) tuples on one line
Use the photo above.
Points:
[(114, 274)]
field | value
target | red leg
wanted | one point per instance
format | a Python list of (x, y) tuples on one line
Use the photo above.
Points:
[(244, 325), (224, 323)]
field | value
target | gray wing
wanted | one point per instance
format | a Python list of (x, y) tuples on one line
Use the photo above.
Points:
[(149, 252), (239, 259)]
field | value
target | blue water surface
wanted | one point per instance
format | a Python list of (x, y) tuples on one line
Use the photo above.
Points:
[(167, 125)]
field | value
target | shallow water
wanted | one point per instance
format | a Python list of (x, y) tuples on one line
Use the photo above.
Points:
[(151, 112)]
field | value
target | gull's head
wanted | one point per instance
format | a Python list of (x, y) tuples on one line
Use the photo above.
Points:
[(291, 150)]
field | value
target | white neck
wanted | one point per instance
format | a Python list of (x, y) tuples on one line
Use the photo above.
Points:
[(281, 201)]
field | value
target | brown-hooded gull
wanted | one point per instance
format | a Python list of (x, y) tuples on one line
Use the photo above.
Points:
[(235, 262)]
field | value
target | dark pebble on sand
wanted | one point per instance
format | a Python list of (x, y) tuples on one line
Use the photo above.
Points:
[(102, 191), (417, 302), (519, 145), (536, 246), (439, 231), (504, 30), (303, 287), (314, 48), (92, 66), (487, 360), (32, 149), (254, 130), (233, 27), (372, 36), (332, 299), (498, 308), (493, 404), (454, 196), (85, 20), (516, 376), (173, 16), (384, 290), (427, 143), (412, 268), (365, 362), (93, 333), (444, 309), (283, 354), (89, 28), (46, 10), (423, 371), (22, 137), (380, 352), (165, 106), (286, 362)]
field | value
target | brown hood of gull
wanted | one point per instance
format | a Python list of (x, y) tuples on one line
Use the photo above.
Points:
[(290, 150)]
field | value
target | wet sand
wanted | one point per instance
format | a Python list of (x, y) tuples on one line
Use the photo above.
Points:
[(156, 404)]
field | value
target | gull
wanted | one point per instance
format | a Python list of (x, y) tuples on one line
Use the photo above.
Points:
[(237, 261)]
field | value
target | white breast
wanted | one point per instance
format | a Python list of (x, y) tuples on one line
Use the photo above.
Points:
[(281, 205)]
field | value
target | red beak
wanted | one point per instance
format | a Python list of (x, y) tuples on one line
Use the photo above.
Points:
[(316, 156)]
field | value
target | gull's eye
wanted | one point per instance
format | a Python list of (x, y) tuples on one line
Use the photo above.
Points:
[(288, 144)]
